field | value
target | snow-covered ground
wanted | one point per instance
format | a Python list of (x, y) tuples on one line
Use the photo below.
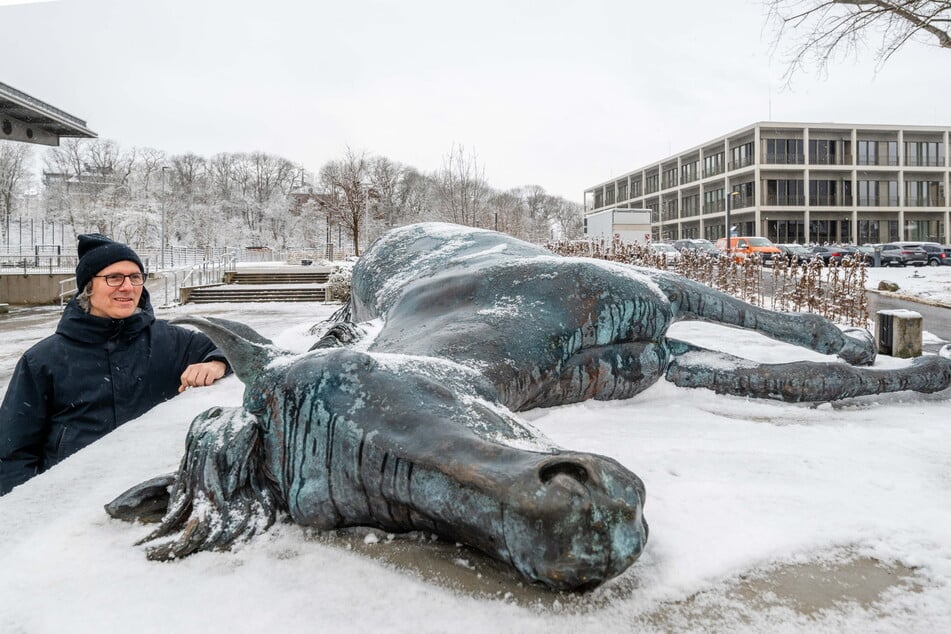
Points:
[(927, 283), (763, 517)]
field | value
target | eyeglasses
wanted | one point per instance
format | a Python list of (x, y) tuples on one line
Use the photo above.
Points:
[(118, 279)]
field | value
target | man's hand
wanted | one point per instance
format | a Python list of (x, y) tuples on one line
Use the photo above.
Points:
[(201, 374)]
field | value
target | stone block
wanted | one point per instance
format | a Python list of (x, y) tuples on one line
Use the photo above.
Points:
[(899, 333)]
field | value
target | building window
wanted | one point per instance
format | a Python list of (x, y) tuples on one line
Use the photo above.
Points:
[(689, 172), (690, 205), (822, 193), (741, 156), (830, 193), (924, 153), (621, 190), (924, 193), (824, 152), (784, 152), (636, 187), (598, 199), (670, 178), (784, 192), (868, 232), (877, 153), (713, 164), (877, 193), (746, 196), (713, 201), (650, 184), (669, 209)]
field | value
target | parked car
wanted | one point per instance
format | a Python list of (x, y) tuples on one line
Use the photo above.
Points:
[(795, 253), (903, 254), (867, 253), (937, 255), (671, 255), (830, 255), (746, 246), (696, 244)]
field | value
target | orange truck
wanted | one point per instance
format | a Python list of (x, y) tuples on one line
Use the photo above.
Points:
[(745, 246)]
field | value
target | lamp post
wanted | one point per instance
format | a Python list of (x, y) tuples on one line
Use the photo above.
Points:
[(729, 231), (366, 218), (162, 237)]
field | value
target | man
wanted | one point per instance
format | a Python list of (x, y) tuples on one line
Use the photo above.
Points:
[(109, 361)]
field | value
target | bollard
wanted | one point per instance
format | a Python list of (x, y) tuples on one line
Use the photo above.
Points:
[(898, 333)]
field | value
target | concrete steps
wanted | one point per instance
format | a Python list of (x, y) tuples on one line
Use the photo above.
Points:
[(279, 284), (278, 277), (235, 293)]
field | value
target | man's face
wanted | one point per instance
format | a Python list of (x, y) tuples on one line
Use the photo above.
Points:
[(117, 302)]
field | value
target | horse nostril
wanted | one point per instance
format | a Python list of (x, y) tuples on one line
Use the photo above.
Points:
[(571, 469)]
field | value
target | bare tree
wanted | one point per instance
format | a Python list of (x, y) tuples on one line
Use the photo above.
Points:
[(505, 208), (416, 196), (386, 180), (565, 218), (13, 168), (347, 182), (536, 206), (460, 187), (150, 164), (64, 167), (822, 29)]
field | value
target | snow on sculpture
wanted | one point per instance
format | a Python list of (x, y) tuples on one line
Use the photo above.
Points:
[(415, 430)]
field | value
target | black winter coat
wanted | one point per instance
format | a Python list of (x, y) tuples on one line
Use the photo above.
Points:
[(93, 375)]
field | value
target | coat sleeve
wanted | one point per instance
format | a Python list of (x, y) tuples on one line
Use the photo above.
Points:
[(24, 426), (198, 348)]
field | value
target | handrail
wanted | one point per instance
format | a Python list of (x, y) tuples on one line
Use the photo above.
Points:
[(63, 292), (203, 272)]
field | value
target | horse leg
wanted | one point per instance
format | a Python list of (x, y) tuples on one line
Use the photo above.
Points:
[(723, 373), (691, 300), (613, 371)]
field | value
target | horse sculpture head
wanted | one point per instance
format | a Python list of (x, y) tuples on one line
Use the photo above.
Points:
[(337, 437)]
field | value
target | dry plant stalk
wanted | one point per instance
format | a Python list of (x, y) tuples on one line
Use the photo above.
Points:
[(836, 292)]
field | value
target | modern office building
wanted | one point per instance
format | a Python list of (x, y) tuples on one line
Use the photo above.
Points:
[(796, 182)]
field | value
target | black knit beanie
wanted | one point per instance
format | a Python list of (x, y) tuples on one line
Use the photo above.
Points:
[(96, 252)]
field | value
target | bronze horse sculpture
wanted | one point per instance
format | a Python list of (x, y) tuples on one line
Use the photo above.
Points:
[(406, 421)]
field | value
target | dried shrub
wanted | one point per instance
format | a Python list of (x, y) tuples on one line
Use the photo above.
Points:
[(836, 292)]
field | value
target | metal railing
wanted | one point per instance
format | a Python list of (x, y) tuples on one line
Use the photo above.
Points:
[(203, 274), (29, 263), (171, 282)]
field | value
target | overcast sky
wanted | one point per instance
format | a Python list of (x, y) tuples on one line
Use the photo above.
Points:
[(561, 94)]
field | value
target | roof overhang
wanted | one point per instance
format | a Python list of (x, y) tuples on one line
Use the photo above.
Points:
[(27, 119)]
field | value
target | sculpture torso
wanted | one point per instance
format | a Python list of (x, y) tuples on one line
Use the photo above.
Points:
[(517, 314)]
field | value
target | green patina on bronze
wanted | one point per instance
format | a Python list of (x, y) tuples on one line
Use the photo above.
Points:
[(417, 431)]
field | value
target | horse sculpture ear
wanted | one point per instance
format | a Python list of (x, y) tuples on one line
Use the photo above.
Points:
[(248, 352)]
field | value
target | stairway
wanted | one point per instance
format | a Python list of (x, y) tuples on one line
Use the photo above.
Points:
[(265, 284), (280, 276)]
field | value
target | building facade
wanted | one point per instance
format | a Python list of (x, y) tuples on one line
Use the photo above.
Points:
[(797, 182)]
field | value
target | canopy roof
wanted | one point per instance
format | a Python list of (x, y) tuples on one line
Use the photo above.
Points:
[(27, 119)]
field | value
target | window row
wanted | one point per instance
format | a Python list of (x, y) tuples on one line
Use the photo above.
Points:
[(836, 193)]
